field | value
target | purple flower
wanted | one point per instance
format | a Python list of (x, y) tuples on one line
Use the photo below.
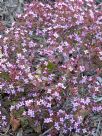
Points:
[(56, 125), (48, 120), (31, 113)]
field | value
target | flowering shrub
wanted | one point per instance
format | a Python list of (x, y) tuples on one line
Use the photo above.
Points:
[(51, 65)]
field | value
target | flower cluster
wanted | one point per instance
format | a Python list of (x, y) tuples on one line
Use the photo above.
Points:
[(50, 63)]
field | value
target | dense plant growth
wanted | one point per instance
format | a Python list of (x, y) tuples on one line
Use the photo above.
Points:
[(51, 66)]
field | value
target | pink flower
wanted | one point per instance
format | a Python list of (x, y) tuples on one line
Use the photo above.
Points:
[(82, 68), (30, 76), (99, 108), (61, 120), (56, 35), (84, 79), (41, 35), (87, 101), (56, 94), (61, 85), (28, 102), (91, 14)]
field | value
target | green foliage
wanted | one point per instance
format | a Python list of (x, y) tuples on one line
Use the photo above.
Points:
[(37, 38), (5, 76), (51, 66), (19, 112), (24, 122)]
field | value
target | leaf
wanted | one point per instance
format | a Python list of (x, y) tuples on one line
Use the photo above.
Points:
[(38, 128), (17, 113), (51, 66), (38, 38), (24, 122), (28, 130), (37, 76), (97, 99), (99, 79), (5, 76), (38, 71), (14, 122), (20, 132), (82, 112), (6, 130), (96, 61)]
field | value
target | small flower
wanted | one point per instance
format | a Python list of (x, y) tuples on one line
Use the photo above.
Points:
[(70, 128), (70, 68), (94, 108), (30, 76), (12, 107), (28, 102), (3, 117), (56, 35), (67, 116), (56, 94), (61, 120), (31, 113), (100, 58), (84, 78), (49, 105), (61, 85), (97, 89), (84, 130), (77, 130), (87, 101), (72, 120), (48, 120), (91, 14), (56, 125), (49, 91), (49, 98), (82, 100), (80, 118), (99, 108), (86, 51), (100, 53), (38, 103), (19, 55), (82, 68), (60, 49), (24, 113)]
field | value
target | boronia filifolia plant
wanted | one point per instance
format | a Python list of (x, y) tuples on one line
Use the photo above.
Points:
[(51, 63)]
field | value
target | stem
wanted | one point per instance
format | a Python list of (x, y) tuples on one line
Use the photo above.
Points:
[(46, 131)]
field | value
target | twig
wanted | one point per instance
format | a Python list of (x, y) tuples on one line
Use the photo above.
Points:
[(6, 131), (98, 127), (98, 6), (46, 131)]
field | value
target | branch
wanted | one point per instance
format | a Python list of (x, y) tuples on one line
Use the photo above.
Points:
[(46, 131)]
